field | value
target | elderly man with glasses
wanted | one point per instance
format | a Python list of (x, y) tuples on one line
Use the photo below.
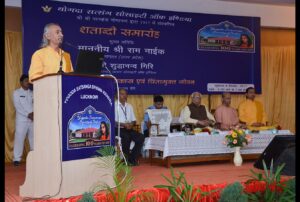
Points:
[(196, 113)]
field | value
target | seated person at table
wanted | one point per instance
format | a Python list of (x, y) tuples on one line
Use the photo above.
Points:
[(158, 103), (127, 120), (226, 116), (196, 113), (251, 111)]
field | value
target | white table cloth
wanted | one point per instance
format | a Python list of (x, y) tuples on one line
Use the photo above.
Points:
[(212, 144)]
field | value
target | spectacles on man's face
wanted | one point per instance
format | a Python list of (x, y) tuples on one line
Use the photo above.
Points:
[(197, 97)]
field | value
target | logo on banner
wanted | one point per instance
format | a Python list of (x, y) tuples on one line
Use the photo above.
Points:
[(46, 9), (225, 36), (88, 128)]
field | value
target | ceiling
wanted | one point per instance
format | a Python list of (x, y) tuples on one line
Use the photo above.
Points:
[(17, 3), (269, 2)]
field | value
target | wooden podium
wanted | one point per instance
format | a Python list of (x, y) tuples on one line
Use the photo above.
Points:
[(46, 173)]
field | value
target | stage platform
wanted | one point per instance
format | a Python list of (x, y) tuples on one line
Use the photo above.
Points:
[(146, 175)]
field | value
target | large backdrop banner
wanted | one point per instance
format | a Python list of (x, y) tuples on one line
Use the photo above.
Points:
[(153, 51)]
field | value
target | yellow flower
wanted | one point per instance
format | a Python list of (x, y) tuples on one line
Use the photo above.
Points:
[(240, 131), (234, 134)]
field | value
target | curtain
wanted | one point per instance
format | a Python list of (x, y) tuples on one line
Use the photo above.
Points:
[(278, 82), (13, 71), (278, 89)]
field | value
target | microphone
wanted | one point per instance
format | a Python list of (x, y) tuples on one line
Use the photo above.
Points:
[(60, 71), (71, 45), (107, 69)]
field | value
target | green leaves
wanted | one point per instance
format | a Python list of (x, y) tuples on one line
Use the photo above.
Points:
[(180, 190), (122, 177), (233, 193), (289, 191), (106, 151), (272, 180), (87, 197)]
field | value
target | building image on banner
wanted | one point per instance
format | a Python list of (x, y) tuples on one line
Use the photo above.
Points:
[(88, 128), (226, 36)]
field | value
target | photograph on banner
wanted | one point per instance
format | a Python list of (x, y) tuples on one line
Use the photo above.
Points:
[(88, 128)]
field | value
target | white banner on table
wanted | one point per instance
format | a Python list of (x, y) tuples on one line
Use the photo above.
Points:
[(163, 118)]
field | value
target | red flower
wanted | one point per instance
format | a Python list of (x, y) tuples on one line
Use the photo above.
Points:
[(206, 130)]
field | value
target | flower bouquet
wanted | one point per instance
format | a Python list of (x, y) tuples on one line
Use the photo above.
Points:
[(237, 138)]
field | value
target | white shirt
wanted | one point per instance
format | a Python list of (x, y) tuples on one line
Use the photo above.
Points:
[(185, 115), (126, 113), (23, 102)]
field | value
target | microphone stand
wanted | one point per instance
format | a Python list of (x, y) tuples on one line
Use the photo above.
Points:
[(60, 71)]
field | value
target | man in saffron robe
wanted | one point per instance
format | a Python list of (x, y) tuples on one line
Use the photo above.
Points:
[(251, 111)]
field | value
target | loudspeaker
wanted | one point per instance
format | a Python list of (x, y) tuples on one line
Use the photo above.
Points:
[(282, 150)]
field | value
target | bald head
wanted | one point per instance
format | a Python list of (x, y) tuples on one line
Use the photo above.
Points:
[(226, 99), (196, 98)]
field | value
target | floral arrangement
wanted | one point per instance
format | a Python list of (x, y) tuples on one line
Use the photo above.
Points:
[(237, 138)]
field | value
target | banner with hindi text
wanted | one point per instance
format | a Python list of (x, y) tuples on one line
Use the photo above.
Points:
[(88, 119), (153, 51)]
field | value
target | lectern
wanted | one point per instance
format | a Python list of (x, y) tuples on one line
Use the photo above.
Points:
[(69, 111)]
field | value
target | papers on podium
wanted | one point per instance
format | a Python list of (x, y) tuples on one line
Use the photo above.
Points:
[(161, 120)]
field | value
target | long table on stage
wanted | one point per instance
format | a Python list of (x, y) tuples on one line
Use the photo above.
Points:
[(192, 148)]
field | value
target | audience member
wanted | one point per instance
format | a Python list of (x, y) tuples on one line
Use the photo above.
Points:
[(23, 102), (251, 111), (125, 116)]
